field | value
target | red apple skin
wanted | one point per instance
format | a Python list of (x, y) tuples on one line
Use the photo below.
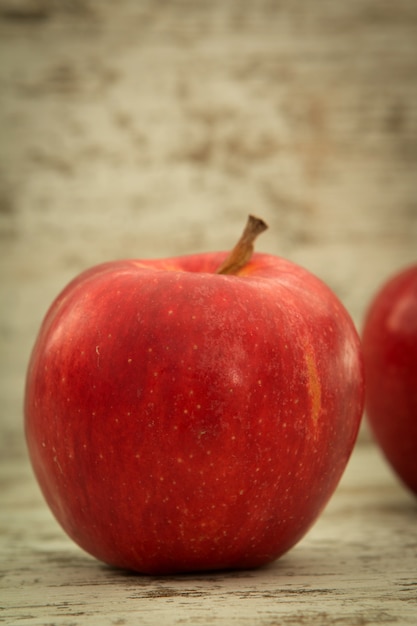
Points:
[(389, 341), (180, 420)]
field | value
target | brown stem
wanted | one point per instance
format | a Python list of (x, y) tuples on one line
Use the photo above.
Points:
[(242, 252)]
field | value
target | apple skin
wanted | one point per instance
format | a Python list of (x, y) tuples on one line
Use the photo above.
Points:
[(179, 420), (390, 355)]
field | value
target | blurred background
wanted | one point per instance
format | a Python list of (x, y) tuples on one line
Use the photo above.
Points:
[(144, 128)]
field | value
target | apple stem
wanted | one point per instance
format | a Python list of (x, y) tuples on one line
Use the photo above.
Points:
[(243, 250)]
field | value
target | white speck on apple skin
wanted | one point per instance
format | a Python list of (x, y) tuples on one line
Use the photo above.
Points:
[(55, 459)]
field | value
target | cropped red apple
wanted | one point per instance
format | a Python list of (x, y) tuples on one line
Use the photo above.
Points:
[(390, 356), (182, 417)]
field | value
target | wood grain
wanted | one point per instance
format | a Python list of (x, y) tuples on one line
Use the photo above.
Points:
[(357, 566)]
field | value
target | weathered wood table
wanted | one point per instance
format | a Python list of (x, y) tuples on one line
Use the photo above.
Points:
[(357, 566)]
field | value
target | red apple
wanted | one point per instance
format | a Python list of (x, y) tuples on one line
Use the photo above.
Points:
[(181, 417), (390, 356)]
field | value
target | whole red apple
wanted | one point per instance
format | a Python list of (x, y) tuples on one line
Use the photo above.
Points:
[(182, 416), (390, 356)]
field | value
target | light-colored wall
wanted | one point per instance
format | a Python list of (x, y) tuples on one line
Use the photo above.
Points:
[(146, 129)]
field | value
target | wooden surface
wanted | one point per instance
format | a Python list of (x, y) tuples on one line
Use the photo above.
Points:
[(356, 567)]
